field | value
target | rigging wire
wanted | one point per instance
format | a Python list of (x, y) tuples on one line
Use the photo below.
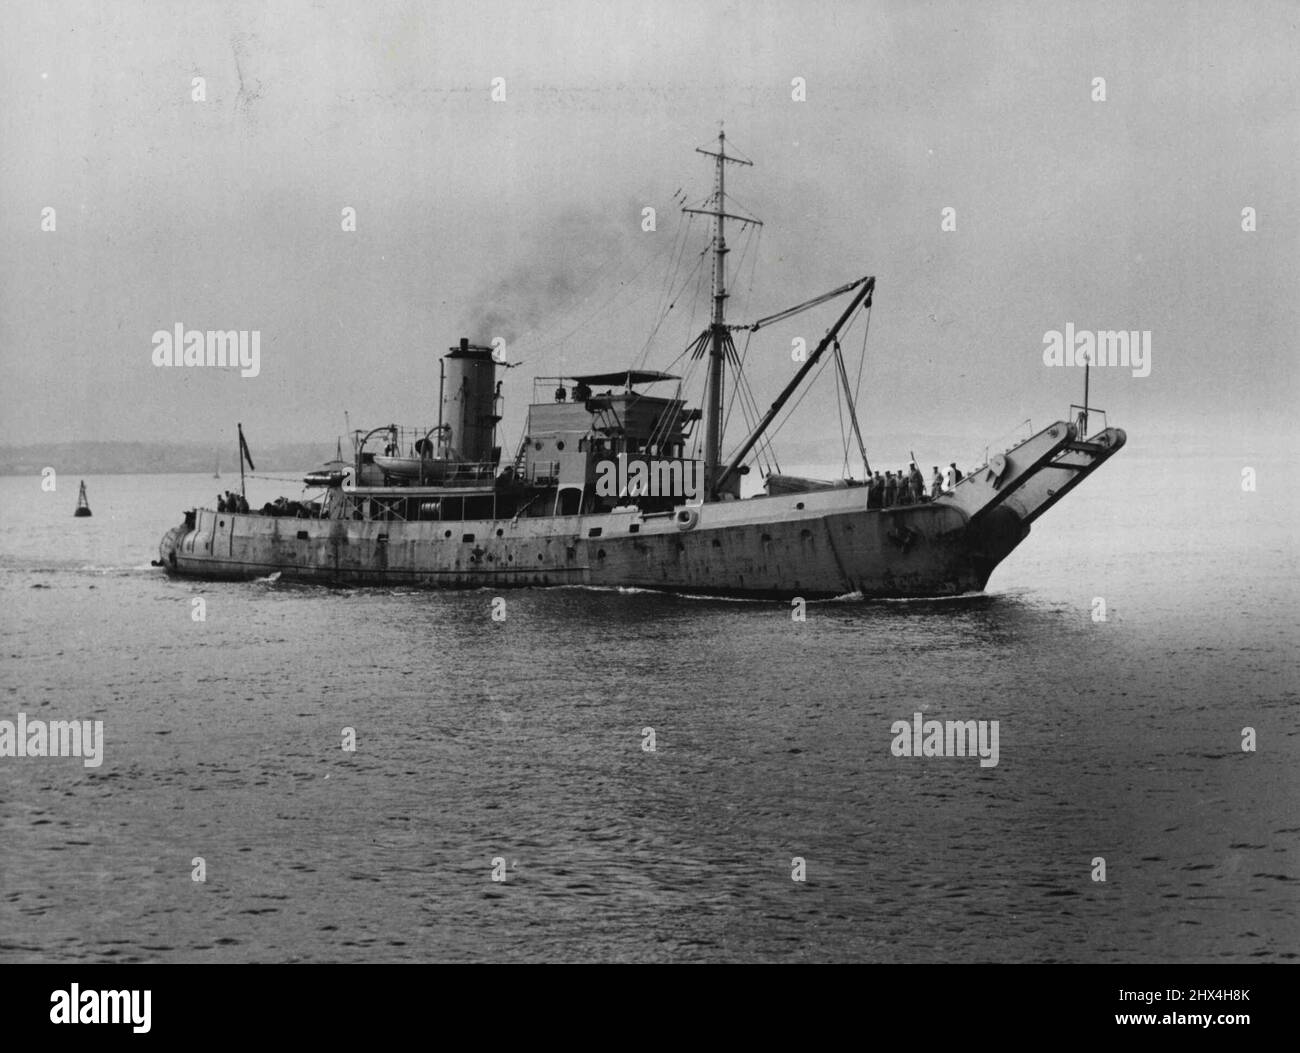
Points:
[(753, 269), (679, 243), (737, 363), (681, 237), (808, 305), (765, 452), (743, 392), (534, 343), (669, 422), (772, 432), (862, 357), (737, 153), (645, 349), (542, 349), (695, 300), (852, 407), (857, 391), (839, 410), (666, 295)]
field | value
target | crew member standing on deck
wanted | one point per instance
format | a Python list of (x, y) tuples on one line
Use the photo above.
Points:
[(917, 482), (891, 490), (936, 484)]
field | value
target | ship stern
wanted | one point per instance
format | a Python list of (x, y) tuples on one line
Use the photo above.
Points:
[(168, 547)]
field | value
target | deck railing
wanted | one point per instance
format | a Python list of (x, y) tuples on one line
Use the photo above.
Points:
[(1085, 417)]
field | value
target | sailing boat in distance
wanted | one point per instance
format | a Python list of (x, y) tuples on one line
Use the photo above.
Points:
[(83, 506), (216, 470)]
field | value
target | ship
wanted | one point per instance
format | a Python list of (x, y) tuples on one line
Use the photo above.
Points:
[(618, 482)]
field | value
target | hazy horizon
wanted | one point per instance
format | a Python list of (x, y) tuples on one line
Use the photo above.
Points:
[(522, 218)]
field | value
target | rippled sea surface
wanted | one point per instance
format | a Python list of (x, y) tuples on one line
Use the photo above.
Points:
[(521, 741)]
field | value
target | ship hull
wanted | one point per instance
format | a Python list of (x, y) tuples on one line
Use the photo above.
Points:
[(923, 550), (817, 544)]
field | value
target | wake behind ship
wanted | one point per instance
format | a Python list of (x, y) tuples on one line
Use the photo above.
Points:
[(629, 487)]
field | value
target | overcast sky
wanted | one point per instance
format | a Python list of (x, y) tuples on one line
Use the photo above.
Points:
[(526, 213)]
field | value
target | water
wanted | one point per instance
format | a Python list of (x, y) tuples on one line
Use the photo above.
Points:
[(522, 741)]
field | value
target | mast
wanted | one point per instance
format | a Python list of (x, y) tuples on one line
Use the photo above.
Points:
[(1083, 417), (713, 401), (713, 434)]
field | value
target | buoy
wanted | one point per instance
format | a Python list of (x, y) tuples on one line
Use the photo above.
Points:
[(83, 506)]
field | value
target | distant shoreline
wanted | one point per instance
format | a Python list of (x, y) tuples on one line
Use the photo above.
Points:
[(157, 458)]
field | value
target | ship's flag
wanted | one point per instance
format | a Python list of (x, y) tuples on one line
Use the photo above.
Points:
[(243, 450)]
